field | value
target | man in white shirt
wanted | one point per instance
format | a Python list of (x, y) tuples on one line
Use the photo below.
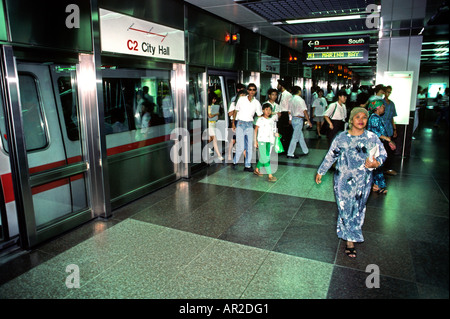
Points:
[(284, 128), (247, 107), (297, 113)]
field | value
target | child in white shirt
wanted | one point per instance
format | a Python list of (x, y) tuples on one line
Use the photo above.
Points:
[(264, 139)]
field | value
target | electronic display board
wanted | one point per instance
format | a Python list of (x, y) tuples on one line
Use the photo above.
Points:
[(336, 50)]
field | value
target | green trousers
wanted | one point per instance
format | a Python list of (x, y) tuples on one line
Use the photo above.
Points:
[(264, 157)]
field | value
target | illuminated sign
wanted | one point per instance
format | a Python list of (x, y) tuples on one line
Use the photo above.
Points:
[(120, 33), (339, 50), (314, 56)]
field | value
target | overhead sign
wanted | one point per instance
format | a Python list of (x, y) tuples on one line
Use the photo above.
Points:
[(336, 50), (270, 64), (120, 33)]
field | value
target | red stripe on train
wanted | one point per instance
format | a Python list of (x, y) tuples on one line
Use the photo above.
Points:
[(8, 190)]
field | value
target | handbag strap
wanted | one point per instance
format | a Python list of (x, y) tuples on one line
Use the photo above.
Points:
[(335, 107)]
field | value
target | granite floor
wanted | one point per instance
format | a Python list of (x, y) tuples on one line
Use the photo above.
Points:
[(228, 234)]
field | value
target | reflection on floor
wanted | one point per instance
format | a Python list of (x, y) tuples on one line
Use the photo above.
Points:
[(226, 233)]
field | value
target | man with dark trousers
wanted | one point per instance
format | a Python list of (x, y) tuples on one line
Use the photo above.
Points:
[(284, 128)]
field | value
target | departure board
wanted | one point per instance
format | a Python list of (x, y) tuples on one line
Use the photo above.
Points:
[(336, 50)]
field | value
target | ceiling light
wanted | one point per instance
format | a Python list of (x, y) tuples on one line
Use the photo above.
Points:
[(435, 43), (325, 19)]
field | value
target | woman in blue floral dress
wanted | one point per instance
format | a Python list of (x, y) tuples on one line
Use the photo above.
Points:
[(356, 156)]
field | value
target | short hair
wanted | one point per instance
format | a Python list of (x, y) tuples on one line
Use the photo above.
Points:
[(266, 105), (270, 91), (251, 85), (378, 88), (342, 92), (296, 89), (362, 98)]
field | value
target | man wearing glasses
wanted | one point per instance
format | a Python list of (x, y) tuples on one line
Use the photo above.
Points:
[(245, 110)]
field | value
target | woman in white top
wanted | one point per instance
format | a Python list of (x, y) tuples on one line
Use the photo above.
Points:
[(213, 116), (335, 115), (318, 107)]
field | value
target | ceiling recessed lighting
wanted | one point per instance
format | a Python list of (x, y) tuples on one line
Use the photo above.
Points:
[(325, 19)]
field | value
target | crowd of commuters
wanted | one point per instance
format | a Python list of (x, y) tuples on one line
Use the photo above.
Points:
[(361, 133)]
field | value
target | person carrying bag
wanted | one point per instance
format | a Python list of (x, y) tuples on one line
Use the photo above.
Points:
[(335, 116)]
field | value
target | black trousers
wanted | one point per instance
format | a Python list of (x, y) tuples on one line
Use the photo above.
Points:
[(387, 165), (338, 126), (285, 130)]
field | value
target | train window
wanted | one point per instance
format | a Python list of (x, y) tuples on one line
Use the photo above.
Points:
[(32, 115), (69, 106), (195, 100), (118, 100), (231, 89), (3, 127), (137, 103)]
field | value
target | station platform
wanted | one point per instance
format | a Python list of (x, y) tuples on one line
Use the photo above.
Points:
[(229, 234)]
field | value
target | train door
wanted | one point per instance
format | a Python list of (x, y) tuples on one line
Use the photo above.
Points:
[(53, 170), (223, 83), (140, 115)]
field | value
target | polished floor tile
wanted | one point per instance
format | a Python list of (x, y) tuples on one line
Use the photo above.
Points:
[(287, 277), (225, 233)]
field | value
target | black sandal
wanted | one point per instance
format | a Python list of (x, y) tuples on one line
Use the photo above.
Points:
[(350, 251)]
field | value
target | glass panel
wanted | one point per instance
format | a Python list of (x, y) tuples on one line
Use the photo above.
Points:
[(67, 97), (197, 119), (139, 102), (33, 120), (231, 90), (3, 140), (215, 86)]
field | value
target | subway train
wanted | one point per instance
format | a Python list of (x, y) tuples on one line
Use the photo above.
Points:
[(88, 113)]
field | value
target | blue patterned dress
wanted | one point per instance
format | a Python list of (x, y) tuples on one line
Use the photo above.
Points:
[(352, 181), (377, 126)]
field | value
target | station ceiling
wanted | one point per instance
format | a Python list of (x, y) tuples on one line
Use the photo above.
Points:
[(271, 19)]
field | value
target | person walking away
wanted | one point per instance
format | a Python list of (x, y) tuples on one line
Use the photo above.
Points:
[(355, 153), (297, 113), (318, 108), (391, 129), (265, 133), (284, 128)]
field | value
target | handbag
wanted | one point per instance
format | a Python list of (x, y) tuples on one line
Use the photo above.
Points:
[(392, 146), (325, 126), (278, 147)]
